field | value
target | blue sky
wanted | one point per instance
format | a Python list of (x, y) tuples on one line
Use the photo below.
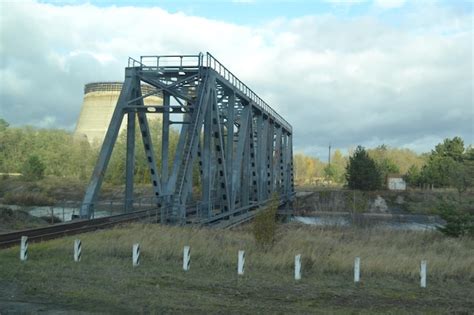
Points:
[(247, 12), (254, 12), (366, 73)]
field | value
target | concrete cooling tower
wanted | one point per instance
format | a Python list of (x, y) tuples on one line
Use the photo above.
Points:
[(98, 106)]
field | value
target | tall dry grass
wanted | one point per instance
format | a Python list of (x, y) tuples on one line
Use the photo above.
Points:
[(323, 250)]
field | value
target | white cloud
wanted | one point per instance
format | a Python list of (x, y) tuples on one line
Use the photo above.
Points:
[(103, 58), (345, 81)]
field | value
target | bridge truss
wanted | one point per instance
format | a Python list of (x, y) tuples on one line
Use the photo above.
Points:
[(240, 146)]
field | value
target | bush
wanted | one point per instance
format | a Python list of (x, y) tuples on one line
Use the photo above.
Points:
[(458, 222), (264, 225), (33, 168)]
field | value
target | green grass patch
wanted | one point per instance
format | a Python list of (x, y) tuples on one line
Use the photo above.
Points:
[(105, 281)]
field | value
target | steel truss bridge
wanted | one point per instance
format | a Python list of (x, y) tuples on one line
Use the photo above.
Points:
[(241, 147)]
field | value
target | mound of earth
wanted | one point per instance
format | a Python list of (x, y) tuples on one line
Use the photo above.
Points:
[(11, 220)]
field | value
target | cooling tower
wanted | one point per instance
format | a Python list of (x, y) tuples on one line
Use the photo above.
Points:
[(98, 106)]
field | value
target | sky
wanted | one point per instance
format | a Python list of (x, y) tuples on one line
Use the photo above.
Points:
[(344, 73)]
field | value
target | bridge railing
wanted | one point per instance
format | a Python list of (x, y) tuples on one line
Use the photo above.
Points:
[(214, 64), (194, 62), (174, 62), (134, 63)]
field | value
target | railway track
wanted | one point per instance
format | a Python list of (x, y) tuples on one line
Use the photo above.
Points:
[(223, 221), (73, 227)]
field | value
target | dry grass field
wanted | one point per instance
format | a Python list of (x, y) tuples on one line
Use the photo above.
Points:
[(105, 281)]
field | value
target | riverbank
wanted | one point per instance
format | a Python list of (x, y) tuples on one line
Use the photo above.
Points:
[(418, 222), (51, 191), (105, 281), (409, 202)]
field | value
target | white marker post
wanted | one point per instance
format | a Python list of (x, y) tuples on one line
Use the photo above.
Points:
[(24, 248), (241, 263), (423, 274), (136, 255), (357, 269), (77, 250), (186, 258), (298, 267)]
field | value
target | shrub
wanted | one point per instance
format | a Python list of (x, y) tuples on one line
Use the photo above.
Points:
[(33, 168), (458, 222), (28, 199), (264, 224)]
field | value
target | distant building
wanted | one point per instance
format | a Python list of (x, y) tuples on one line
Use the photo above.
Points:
[(98, 106), (396, 182)]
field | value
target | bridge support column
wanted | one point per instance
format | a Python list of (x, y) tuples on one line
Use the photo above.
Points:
[(130, 162)]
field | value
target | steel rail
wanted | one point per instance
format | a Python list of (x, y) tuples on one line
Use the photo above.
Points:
[(72, 228)]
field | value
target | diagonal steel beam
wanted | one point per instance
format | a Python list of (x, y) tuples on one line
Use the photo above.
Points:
[(149, 152), (90, 197), (165, 88)]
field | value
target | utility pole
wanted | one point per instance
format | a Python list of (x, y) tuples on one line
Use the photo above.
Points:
[(329, 156)]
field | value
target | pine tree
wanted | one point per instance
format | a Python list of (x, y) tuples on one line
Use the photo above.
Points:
[(362, 172)]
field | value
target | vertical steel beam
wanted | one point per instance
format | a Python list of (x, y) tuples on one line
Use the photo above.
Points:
[(130, 162), (262, 157), (229, 156), (242, 143), (246, 178), (206, 183), (179, 153), (269, 158), (217, 130), (253, 154), (285, 164), (277, 161), (165, 136), (290, 153)]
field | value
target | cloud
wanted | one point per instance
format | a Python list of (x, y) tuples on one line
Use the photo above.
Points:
[(345, 81)]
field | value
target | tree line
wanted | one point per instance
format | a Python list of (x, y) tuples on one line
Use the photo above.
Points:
[(38, 152), (449, 164)]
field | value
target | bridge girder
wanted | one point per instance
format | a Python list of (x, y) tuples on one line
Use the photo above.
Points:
[(242, 147)]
